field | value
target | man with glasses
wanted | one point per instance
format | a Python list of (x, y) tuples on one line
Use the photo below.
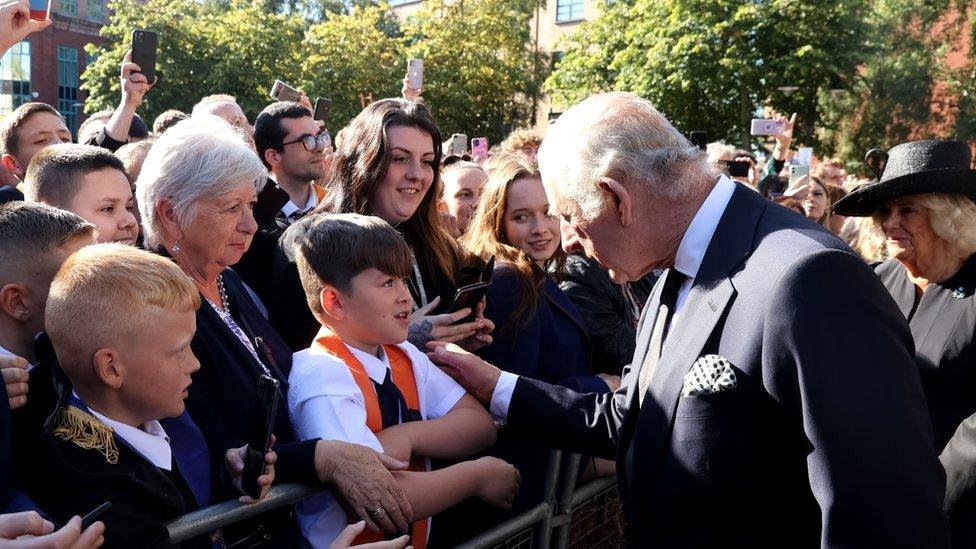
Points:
[(294, 149)]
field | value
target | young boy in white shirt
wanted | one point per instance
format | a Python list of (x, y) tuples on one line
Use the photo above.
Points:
[(121, 320), (361, 382)]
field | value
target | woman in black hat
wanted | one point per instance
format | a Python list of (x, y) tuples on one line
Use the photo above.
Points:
[(924, 205)]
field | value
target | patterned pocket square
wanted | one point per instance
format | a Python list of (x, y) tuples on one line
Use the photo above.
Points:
[(711, 374)]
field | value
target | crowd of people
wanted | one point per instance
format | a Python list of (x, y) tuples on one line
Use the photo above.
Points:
[(762, 359)]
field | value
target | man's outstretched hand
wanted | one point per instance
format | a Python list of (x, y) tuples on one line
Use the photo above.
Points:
[(476, 376)]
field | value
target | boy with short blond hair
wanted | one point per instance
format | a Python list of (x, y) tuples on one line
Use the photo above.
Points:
[(121, 321), (361, 382)]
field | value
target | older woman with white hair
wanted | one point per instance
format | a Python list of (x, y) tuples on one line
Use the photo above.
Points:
[(197, 189)]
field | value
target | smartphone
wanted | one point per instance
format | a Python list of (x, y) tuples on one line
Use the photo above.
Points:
[(415, 73), (144, 50), (39, 9), (768, 126), (804, 156), (94, 515), (259, 434), (471, 294), (323, 107), (459, 144), (699, 139), (283, 92), (479, 148), (737, 168), (799, 175)]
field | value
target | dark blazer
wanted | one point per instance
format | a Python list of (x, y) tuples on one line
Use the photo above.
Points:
[(607, 312), (943, 324), (959, 460), (224, 389), (9, 193), (825, 440), (256, 264), (552, 346), (72, 481)]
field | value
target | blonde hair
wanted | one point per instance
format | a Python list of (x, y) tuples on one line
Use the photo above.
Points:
[(521, 139), (621, 136), (865, 237), (485, 236), (99, 294), (952, 218)]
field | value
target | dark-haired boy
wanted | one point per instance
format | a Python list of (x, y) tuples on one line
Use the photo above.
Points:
[(89, 181), (361, 382)]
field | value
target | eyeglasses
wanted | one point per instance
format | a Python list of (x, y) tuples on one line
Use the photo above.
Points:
[(313, 142)]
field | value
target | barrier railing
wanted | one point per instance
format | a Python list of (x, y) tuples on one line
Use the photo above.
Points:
[(547, 524)]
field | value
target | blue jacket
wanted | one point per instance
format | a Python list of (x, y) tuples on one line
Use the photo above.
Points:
[(553, 346)]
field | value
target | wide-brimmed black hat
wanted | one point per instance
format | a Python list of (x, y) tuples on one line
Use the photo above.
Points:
[(917, 167)]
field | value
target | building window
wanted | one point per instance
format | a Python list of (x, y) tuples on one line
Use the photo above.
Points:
[(95, 10), (569, 10), (15, 77), (69, 7), (68, 86)]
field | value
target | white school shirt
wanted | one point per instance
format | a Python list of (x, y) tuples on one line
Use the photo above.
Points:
[(325, 402), (149, 440), (687, 261)]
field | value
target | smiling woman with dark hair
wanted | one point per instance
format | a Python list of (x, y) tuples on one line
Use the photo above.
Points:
[(388, 165)]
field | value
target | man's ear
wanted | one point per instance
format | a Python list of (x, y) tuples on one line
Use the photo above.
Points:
[(14, 300), (331, 302), (10, 163), (620, 198), (108, 367), (272, 157)]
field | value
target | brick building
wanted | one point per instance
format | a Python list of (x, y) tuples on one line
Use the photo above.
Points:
[(47, 66)]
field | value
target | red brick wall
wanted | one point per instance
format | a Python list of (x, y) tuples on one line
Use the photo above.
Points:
[(66, 31)]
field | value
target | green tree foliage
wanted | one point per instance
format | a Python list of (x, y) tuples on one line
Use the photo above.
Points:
[(202, 50), (351, 56), (480, 70), (891, 96), (479, 66), (709, 64)]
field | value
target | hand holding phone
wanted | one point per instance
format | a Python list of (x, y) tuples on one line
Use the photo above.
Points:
[(323, 107), (145, 44), (768, 126), (415, 73), (259, 437), (94, 515)]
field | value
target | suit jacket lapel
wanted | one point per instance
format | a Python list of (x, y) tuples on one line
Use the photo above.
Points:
[(710, 296)]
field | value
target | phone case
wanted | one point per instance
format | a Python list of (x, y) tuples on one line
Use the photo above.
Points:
[(283, 92), (323, 107), (144, 46), (39, 9), (479, 147), (767, 126), (259, 434), (415, 73)]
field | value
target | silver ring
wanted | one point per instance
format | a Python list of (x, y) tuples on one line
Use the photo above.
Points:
[(379, 509)]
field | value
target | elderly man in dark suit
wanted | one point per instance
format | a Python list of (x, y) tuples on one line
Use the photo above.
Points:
[(773, 400)]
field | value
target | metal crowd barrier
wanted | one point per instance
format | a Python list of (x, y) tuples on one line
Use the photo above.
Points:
[(544, 526)]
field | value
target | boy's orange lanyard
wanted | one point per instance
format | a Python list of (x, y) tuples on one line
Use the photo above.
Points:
[(403, 378)]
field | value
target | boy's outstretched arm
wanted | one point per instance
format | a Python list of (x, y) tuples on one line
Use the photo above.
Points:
[(465, 430)]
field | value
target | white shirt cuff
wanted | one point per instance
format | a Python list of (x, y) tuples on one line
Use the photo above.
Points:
[(501, 399)]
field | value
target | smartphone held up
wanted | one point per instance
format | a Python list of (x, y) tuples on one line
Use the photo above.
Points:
[(283, 92), (415, 73), (39, 9), (145, 46)]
